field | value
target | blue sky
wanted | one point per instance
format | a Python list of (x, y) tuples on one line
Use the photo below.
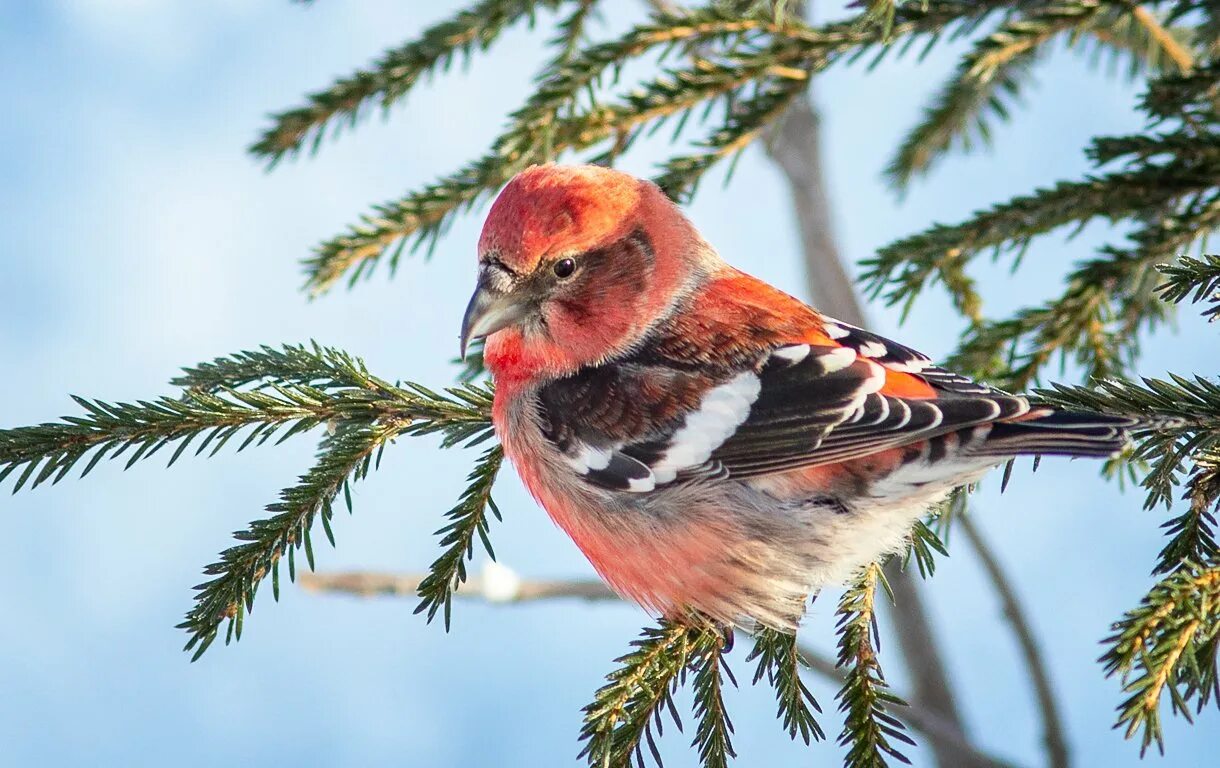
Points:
[(138, 237)]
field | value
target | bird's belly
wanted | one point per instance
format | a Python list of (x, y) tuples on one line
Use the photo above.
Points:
[(729, 549), (863, 511), (681, 548)]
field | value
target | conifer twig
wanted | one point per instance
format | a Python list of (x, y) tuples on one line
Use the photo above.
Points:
[(272, 392), (869, 730), (714, 729), (553, 120), (1178, 418), (1194, 279), (991, 74), (469, 520), (548, 125), (1167, 644), (1164, 39), (391, 77), (229, 595), (637, 696), (780, 660)]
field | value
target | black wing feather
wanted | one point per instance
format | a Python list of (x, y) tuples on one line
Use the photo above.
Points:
[(635, 423)]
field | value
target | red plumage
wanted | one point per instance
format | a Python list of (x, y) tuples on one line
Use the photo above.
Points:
[(708, 441)]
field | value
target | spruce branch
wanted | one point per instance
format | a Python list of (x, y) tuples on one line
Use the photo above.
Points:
[(299, 388), (391, 77), (1193, 279), (1172, 44), (713, 728), (1082, 323), (986, 81), (343, 459), (991, 76), (343, 382), (1167, 644), (554, 120), (869, 730), (468, 520), (550, 123), (1175, 419), (108, 430), (781, 661), (1109, 301), (345, 456), (962, 112), (680, 176), (1187, 143), (1193, 532), (1107, 304), (571, 32), (901, 270), (313, 365), (880, 13), (1191, 97), (1153, 245), (639, 692), (924, 542), (1133, 31)]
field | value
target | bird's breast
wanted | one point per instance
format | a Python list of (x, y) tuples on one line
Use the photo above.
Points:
[(665, 550)]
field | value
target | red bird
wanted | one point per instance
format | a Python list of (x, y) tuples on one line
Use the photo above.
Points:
[(709, 442)]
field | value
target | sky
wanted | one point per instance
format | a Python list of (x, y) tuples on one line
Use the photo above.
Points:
[(136, 236)]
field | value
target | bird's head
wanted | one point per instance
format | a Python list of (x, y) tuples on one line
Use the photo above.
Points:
[(575, 264)]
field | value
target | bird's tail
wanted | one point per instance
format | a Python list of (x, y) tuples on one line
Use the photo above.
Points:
[(1058, 433)]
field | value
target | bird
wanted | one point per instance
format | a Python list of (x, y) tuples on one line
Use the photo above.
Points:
[(717, 449)]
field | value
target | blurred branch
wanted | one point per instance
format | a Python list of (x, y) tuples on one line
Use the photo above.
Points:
[(499, 584), (1172, 48), (1052, 722), (794, 145), (389, 79)]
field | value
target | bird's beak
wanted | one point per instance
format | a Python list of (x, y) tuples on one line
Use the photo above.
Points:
[(489, 310)]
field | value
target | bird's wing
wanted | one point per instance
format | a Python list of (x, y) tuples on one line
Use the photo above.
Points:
[(748, 381), (827, 404), (636, 427)]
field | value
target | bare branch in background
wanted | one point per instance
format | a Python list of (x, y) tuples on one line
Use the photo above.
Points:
[(496, 584), (1035, 666), (795, 146)]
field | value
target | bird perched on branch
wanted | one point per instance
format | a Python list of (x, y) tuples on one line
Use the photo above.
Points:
[(712, 444)]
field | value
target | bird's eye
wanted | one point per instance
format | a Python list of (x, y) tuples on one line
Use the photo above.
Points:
[(564, 268)]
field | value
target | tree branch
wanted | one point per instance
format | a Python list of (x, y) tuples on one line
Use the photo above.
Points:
[(496, 584), (1057, 753), (923, 719), (794, 144), (1179, 54)]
